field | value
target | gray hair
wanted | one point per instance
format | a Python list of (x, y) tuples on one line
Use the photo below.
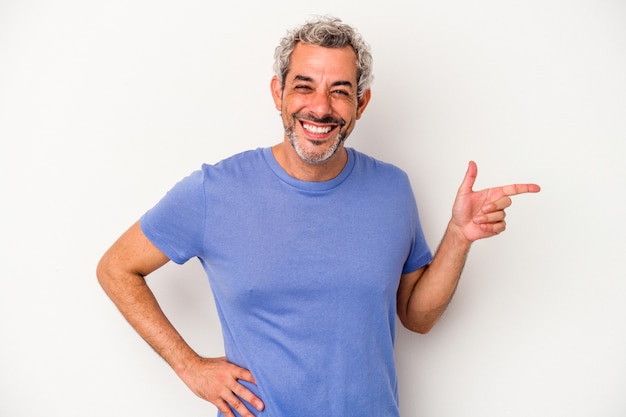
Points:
[(329, 32)]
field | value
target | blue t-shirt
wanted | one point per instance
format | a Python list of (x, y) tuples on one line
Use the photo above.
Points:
[(304, 275)]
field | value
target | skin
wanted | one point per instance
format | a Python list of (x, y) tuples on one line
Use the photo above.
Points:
[(424, 294), (121, 273), (319, 92), (321, 84)]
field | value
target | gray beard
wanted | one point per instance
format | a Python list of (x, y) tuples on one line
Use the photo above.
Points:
[(314, 158)]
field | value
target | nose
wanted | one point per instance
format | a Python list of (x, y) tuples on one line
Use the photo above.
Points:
[(320, 104)]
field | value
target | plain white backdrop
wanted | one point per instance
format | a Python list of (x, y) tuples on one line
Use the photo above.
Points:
[(105, 105)]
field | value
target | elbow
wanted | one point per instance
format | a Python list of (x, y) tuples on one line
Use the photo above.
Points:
[(422, 326), (104, 274), (101, 273), (422, 329)]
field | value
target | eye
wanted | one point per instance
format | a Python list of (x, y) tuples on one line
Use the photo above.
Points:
[(341, 93), (302, 88)]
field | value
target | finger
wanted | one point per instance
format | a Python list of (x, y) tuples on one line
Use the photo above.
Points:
[(470, 178), (236, 404), (222, 385), (243, 374), (515, 189), (493, 217), (224, 408), (493, 228), (499, 204), (247, 395), (227, 401)]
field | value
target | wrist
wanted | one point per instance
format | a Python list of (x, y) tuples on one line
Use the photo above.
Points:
[(457, 238), (182, 359)]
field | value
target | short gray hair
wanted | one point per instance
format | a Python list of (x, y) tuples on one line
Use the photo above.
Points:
[(329, 32)]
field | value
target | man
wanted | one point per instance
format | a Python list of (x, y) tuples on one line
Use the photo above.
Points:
[(311, 249)]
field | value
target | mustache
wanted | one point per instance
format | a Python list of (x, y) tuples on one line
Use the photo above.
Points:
[(328, 119)]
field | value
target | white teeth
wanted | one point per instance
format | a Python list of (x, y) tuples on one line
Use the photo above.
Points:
[(317, 129)]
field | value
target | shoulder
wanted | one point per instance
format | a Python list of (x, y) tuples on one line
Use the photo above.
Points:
[(369, 166), (238, 167), (238, 160)]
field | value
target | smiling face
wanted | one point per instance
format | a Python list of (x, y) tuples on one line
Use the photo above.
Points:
[(319, 104)]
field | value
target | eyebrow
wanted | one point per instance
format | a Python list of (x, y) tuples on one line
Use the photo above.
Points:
[(307, 79)]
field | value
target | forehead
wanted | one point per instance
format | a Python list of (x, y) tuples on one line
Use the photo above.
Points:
[(318, 62)]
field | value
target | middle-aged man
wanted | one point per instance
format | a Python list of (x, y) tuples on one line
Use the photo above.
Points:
[(311, 249)]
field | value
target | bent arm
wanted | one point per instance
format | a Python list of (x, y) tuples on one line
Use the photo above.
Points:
[(121, 273), (424, 294)]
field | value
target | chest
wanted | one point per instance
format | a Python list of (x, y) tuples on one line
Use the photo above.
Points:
[(332, 246)]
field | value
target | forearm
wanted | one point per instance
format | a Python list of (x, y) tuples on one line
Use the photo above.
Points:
[(433, 291), (134, 299), (423, 295), (214, 380)]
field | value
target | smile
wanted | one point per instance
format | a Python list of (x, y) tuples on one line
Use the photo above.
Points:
[(318, 130)]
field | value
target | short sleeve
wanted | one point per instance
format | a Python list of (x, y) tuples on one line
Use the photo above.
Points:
[(420, 254), (176, 223)]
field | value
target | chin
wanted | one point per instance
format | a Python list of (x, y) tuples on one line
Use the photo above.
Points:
[(316, 157)]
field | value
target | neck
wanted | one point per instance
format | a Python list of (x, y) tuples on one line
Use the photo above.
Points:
[(293, 165)]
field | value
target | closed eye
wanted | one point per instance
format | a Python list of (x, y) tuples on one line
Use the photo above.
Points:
[(303, 88)]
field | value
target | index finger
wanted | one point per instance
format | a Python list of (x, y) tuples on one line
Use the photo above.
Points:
[(515, 189)]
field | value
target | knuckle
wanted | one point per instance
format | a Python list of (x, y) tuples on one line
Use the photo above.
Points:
[(236, 403), (224, 408), (242, 374)]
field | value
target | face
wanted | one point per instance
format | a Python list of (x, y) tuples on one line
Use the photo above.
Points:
[(319, 104)]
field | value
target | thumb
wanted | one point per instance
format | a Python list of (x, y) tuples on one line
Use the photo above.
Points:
[(470, 178)]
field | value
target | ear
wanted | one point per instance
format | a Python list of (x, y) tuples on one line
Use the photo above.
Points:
[(277, 93), (367, 95)]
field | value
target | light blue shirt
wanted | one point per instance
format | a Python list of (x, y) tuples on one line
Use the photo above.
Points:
[(304, 275)]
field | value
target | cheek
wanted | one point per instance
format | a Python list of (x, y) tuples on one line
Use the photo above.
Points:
[(288, 120), (350, 115), (348, 109), (350, 119)]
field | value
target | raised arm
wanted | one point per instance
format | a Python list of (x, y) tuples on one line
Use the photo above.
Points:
[(121, 273), (423, 295)]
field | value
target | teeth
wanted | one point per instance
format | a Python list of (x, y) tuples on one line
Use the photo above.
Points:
[(317, 129)]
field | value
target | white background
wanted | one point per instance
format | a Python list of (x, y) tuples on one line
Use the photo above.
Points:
[(105, 105)]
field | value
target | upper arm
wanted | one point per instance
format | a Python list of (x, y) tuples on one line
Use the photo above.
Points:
[(133, 253)]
